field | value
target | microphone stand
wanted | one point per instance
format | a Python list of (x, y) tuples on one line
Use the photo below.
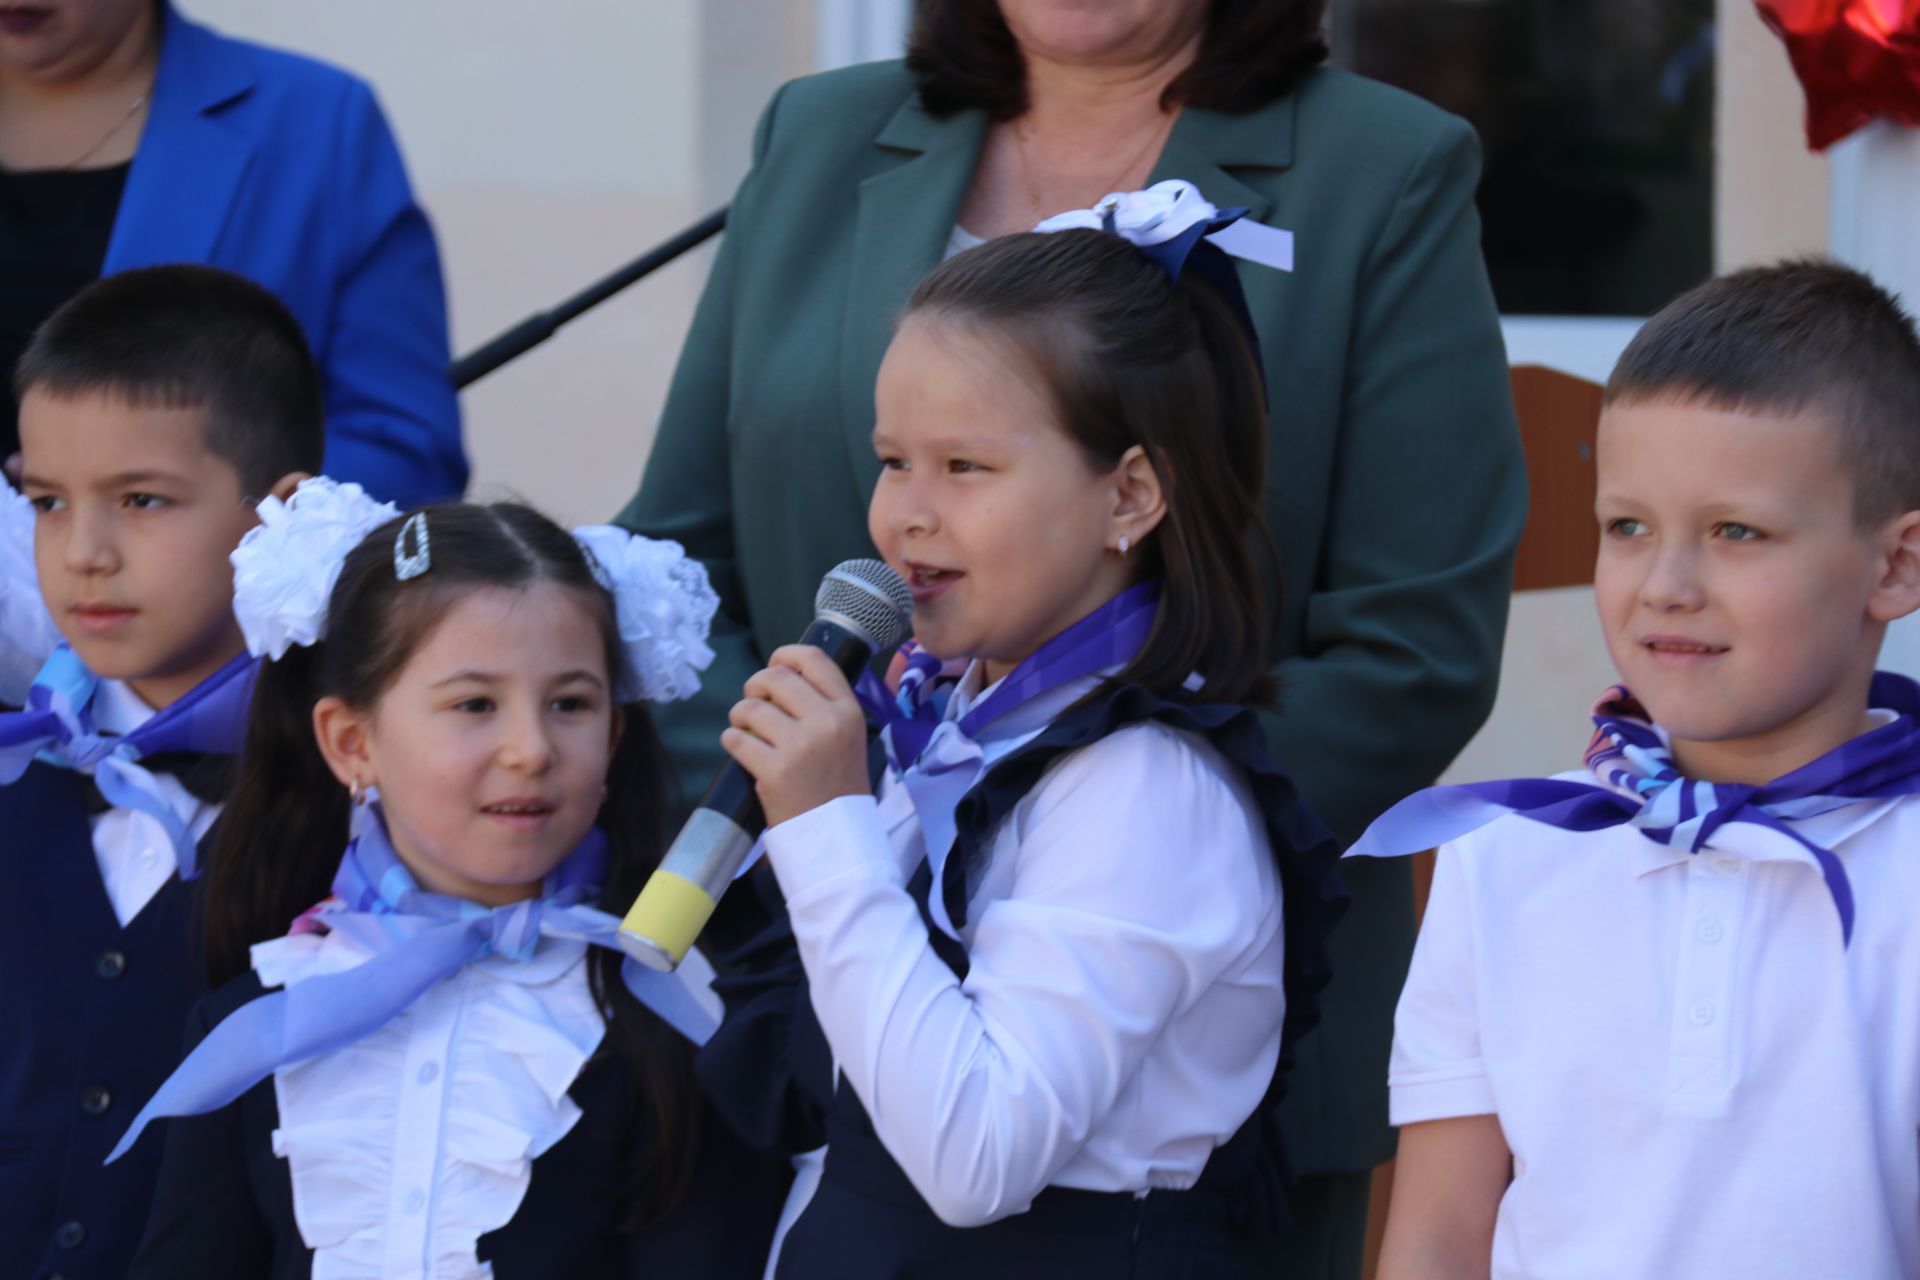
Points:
[(540, 326)]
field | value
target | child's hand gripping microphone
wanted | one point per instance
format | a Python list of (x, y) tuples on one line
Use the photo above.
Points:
[(862, 608)]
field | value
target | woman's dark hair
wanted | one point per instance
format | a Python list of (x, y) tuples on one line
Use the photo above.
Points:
[(1253, 52), (1131, 357), (285, 824)]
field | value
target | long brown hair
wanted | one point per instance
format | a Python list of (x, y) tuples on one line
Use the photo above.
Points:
[(281, 835), (1130, 357), (1253, 52)]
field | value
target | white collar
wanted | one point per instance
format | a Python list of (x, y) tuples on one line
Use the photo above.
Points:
[(117, 709)]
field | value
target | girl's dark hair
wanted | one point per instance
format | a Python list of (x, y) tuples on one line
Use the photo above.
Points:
[(285, 825), (1130, 357), (1253, 52)]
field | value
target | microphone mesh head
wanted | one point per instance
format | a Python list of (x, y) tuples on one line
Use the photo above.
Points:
[(869, 595)]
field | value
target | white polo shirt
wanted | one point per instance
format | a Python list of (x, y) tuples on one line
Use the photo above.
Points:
[(1695, 1077)]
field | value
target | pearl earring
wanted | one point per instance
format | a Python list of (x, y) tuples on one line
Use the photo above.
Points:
[(1124, 544)]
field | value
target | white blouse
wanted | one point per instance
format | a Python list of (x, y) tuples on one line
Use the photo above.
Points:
[(407, 1146), (959, 240), (1121, 1014)]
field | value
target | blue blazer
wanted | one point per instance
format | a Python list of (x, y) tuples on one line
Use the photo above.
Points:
[(283, 170)]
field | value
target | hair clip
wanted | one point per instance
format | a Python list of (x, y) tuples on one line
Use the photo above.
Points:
[(411, 565)]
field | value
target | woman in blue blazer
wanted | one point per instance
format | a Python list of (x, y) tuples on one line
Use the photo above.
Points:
[(261, 162)]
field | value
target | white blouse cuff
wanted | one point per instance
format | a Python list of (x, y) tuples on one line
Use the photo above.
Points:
[(840, 842)]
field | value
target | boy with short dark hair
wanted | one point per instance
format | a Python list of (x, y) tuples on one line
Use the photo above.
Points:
[(1664, 1015), (157, 408)]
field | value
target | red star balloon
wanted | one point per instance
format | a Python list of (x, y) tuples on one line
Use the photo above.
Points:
[(1858, 60)]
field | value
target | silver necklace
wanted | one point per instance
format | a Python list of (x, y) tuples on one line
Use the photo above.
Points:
[(104, 138)]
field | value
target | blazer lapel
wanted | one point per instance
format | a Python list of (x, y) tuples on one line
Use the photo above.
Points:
[(905, 214), (189, 164), (1206, 147)]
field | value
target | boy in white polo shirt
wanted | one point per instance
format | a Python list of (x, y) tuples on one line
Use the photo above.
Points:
[(1664, 1015)]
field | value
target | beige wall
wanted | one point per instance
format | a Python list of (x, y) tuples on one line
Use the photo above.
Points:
[(550, 144), (1770, 192)]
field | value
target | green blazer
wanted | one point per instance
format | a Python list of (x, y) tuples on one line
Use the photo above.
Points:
[(1396, 489)]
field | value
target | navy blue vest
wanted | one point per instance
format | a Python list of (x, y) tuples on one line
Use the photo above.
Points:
[(91, 1015), (770, 1069)]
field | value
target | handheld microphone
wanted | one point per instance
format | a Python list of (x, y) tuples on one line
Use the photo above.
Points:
[(861, 609)]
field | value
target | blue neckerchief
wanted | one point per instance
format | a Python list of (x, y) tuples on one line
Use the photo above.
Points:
[(938, 760), (422, 939), (1637, 784), (56, 726)]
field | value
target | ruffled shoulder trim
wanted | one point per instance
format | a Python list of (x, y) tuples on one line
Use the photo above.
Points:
[(419, 1139)]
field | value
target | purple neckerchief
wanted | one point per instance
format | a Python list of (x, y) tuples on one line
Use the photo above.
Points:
[(419, 939), (56, 726), (1636, 783), (938, 760)]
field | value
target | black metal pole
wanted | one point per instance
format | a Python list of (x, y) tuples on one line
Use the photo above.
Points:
[(540, 326)]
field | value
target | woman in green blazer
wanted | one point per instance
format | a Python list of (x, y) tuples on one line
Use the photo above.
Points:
[(1396, 489)]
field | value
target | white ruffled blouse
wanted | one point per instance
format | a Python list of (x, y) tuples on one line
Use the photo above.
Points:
[(406, 1147)]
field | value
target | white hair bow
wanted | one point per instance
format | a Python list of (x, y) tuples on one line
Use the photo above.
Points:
[(27, 634), (284, 571)]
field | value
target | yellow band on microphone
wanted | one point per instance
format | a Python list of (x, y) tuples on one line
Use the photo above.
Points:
[(670, 913)]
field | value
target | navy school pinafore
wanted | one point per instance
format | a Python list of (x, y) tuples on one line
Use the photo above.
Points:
[(770, 1070)]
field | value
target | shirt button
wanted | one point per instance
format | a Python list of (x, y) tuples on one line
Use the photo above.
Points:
[(1701, 1013), (95, 1101), (1710, 931), (111, 965), (70, 1235), (429, 1072), (1727, 866), (148, 857), (416, 1201)]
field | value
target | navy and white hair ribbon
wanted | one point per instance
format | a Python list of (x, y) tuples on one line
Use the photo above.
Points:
[(1636, 783), (56, 726), (420, 938), (1177, 227), (938, 760)]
